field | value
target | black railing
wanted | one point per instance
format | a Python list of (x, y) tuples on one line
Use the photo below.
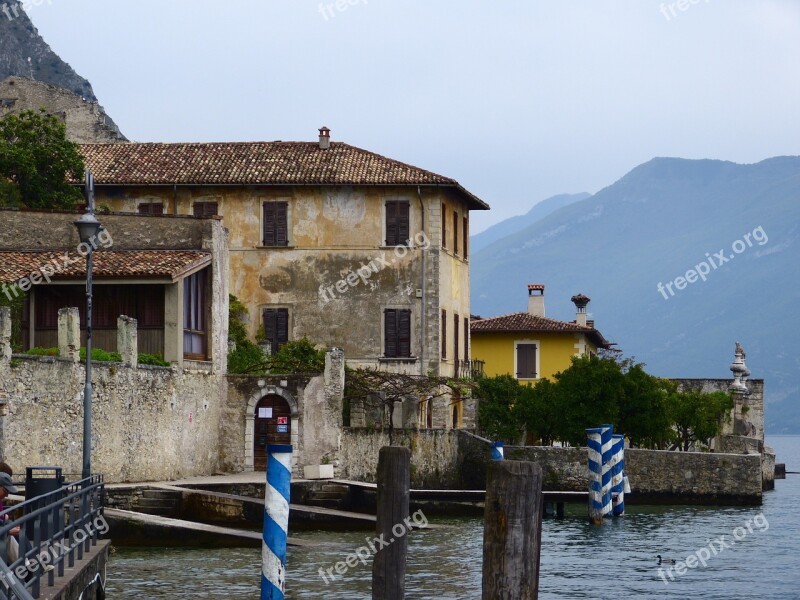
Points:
[(53, 530), (469, 369)]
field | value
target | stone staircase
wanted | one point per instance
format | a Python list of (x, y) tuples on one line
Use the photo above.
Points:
[(328, 495), (163, 503)]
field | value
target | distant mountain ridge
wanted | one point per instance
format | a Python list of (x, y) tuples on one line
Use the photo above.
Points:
[(20, 40), (513, 224), (651, 227)]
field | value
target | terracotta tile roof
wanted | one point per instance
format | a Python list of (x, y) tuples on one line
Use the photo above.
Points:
[(523, 322), (108, 264), (255, 163)]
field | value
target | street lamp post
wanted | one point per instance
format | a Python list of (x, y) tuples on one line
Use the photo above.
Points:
[(88, 227)]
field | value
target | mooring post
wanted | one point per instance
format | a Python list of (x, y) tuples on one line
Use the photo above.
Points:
[(497, 451), (594, 443), (276, 521), (394, 483), (618, 475), (512, 533)]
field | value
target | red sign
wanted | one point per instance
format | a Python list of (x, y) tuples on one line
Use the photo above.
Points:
[(283, 420)]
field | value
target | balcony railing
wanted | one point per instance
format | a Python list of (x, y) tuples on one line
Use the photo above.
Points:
[(469, 369)]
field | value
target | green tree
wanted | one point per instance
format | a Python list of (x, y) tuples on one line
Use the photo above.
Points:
[(300, 356), (644, 414), (587, 395), (540, 412), (37, 161), (697, 417), (247, 357), (498, 412)]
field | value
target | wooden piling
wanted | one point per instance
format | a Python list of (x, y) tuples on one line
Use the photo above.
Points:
[(512, 534), (394, 483)]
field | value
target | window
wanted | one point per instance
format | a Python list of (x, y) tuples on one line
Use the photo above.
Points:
[(151, 208), (397, 222), (466, 339), (205, 209), (444, 225), (526, 361), (397, 333), (444, 334), (455, 232), (276, 327), (194, 316), (455, 337), (276, 227), (465, 237)]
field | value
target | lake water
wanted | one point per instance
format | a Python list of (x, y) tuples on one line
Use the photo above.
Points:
[(578, 560)]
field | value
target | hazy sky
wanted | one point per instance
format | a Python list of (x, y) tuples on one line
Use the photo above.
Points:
[(517, 99)]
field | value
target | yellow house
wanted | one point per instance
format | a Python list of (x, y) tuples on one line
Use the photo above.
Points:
[(530, 346)]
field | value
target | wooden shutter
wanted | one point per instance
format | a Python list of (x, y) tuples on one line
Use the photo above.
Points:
[(403, 223), (444, 334), (390, 333), (269, 224), (466, 338), (151, 209), (526, 361), (205, 209), (281, 224), (276, 327), (455, 232), (391, 224), (404, 332), (465, 222), (456, 321), (444, 225), (282, 327)]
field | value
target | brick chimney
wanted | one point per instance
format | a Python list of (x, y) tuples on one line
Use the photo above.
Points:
[(580, 301), (536, 299), (324, 138)]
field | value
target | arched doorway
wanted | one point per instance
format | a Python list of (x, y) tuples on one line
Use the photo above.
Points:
[(272, 425)]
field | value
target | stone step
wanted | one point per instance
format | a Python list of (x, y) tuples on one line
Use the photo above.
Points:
[(327, 495), (157, 503), (335, 487), (324, 503), (158, 511), (161, 494)]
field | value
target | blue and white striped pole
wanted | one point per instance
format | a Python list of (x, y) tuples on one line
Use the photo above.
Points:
[(607, 435), (617, 474), (276, 522), (497, 451), (595, 444)]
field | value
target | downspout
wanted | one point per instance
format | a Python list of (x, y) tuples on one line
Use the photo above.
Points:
[(422, 287), (175, 199)]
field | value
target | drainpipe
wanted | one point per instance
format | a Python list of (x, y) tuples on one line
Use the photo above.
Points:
[(175, 199), (422, 287)]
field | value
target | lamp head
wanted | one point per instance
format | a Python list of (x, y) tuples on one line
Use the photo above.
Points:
[(88, 227)]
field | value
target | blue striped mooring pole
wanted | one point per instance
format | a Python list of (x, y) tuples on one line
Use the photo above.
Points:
[(497, 451), (276, 521), (618, 474), (595, 444), (607, 435)]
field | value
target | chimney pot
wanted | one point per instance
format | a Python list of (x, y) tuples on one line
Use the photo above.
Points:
[(536, 299), (580, 301), (324, 138)]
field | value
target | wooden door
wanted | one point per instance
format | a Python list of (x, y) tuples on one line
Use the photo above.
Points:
[(273, 425)]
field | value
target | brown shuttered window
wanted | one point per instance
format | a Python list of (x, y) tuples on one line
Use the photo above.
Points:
[(455, 232), (276, 327), (153, 208), (397, 222), (205, 209), (397, 333), (466, 338), (444, 334), (526, 361), (456, 321), (444, 226), (465, 237), (276, 226)]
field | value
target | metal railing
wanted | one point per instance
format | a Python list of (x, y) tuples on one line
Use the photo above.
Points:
[(469, 369), (53, 530)]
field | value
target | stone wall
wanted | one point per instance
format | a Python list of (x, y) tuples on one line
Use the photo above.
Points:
[(434, 456), (149, 423)]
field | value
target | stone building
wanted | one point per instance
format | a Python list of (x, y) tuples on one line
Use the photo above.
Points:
[(86, 120), (346, 247)]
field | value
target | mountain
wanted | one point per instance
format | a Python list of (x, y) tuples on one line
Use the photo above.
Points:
[(511, 225), (20, 41), (740, 223)]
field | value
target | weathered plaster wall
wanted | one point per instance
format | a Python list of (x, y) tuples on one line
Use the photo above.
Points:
[(434, 455), (149, 423)]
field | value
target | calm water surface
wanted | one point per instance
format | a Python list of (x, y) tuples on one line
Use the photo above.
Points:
[(578, 561)]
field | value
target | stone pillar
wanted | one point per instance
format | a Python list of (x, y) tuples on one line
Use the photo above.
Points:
[(334, 375), (128, 340), (5, 333), (69, 334)]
